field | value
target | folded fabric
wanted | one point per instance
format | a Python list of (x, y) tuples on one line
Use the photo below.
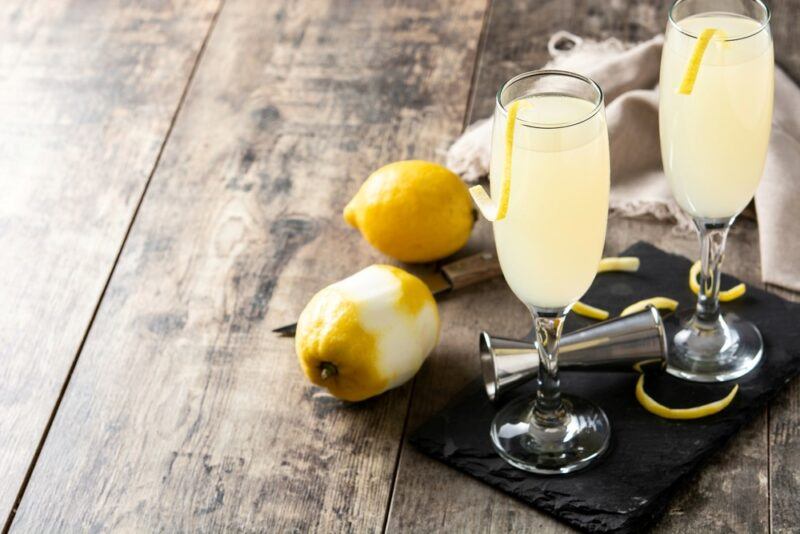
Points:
[(628, 75)]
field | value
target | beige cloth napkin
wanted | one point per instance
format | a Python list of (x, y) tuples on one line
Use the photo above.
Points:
[(628, 75)]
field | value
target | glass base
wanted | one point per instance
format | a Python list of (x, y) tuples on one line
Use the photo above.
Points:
[(555, 450), (723, 350)]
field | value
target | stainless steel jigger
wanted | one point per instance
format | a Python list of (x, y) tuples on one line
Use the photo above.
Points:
[(616, 344)]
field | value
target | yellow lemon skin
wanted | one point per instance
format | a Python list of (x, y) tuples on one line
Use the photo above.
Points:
[(329, 332), (367, 333), (414, 211)]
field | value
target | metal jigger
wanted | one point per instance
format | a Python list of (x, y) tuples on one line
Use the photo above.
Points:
[(616, 344)]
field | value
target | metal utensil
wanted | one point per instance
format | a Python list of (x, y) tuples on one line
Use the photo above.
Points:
[(616, 344)]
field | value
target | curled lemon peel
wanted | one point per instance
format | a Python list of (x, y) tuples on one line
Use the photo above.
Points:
[(724, 296), (590, 311), (413, 294), (491, 210), (696, 412), (628, 264), (638, 365), (693, 66), (662, 303)]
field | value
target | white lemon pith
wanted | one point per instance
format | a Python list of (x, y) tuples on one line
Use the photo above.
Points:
[(368, 333), (414, 211)]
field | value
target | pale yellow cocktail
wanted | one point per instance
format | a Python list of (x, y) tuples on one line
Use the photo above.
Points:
[(549, 186), (551, 240), (714, 141)]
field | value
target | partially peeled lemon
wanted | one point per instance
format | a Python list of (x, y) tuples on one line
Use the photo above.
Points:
[(368, 333)]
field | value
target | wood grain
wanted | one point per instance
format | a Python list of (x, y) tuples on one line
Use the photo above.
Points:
[(472, 270), (784, 451), (88, 91), (731, 493), (185, 413)]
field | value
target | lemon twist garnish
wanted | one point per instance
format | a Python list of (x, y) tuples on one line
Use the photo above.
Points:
[(491, 210), (638, 365), (590, 311), (693, 66), (628, 264), (696, 412), (661, 303), (724, 296)]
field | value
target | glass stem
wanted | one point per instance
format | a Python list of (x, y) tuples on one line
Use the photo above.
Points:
[(548, 410), (713, 233)]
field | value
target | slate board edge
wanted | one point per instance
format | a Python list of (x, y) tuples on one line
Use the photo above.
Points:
[(647, 515), (635, 522)]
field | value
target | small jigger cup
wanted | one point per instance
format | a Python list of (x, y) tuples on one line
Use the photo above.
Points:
[(613, 345)]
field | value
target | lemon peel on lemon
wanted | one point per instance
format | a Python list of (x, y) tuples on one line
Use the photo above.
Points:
[(367, 333), (334, 349), (693, 66), (661, 303), (491, 210), (724, 296)]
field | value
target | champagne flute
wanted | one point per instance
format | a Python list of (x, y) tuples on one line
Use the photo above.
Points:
[(714, 137), (550, 157)]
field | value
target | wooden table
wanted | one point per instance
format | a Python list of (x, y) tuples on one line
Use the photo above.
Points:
[(172, 180)]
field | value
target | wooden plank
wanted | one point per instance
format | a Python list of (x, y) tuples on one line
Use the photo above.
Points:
[(784, 413), (784, 451), (427, 494), (185, 413), (88, 91), (784, 455), (784, 31)]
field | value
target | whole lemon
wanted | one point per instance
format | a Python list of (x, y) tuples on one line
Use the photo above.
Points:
[(367, 333), (414, 211)]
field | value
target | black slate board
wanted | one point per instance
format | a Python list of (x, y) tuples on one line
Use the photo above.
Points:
[(649, 457)]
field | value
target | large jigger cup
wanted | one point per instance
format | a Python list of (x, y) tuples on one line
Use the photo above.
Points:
[(616, 344)]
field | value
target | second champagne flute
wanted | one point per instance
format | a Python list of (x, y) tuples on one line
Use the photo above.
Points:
[(550, 183), (715, 111)]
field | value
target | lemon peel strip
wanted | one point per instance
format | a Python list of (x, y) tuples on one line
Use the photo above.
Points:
[(724, 296), (693, 66), (628, 264), (484, 202), (638, 365), (590, 311), (491, 210), (696, 412), (662, 303)]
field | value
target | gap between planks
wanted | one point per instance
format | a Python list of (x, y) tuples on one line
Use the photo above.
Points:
[(479, 49), (46, 431)]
